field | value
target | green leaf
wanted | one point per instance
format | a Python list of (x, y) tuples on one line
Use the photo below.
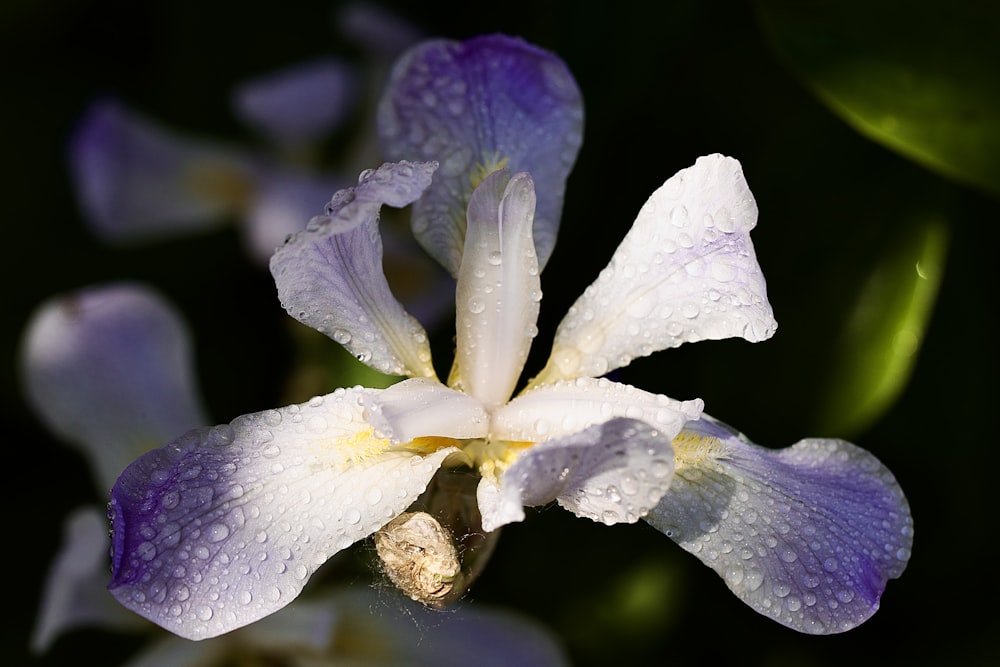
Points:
[(918, 77), (885, 328)]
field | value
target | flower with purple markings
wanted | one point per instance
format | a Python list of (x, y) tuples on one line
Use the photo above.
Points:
[(224, 526), (110, 370)]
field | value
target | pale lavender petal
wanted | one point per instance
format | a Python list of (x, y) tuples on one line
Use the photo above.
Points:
[(284, 201), (381, 33), (330, 276), (300, 104), (110, 369), (75, 594), (612, 472), (475, 106), (173, 651), (395, 630), (499, 291), (225, 525), (807, 535), (135, 180), (686, 271)]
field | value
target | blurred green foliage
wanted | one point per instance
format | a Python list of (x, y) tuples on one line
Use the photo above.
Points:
[(918, 77)]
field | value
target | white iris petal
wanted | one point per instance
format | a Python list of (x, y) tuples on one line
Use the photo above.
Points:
[(499, 289)]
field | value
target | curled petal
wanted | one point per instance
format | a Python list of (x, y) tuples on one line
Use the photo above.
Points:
[(330, 276), (225, 525), (686, 271), (110, 369), (474, 106), (499, 291), (612, 472), (558, 410), (135, 180), (807, 535), (422, 408), (300, 104)]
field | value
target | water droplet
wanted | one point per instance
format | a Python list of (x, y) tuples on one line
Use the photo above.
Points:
[(352, 516), (218, 532), (495, 258), (245, 597), (373, 495), (476, 305), (342, 336), (753, 580), (205, 613), (830, 564), (146, 551)]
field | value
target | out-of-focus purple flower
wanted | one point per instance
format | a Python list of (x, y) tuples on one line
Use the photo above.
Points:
[(137, 180), (109, 369)]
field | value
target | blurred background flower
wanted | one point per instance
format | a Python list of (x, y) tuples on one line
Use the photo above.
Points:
[(868, 135)]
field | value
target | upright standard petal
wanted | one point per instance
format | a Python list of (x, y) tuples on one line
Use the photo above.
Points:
[(807, 535), (498, 292), (686, 271), (136, 181), (330, 276), (474, 106), (110, 369), (225, 525), (612, 472)]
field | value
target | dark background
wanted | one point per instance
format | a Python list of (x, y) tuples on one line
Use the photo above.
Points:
[(662, 85)]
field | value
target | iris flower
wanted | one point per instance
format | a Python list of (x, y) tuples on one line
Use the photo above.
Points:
[(225, 525), (137, 180), (109, 369)]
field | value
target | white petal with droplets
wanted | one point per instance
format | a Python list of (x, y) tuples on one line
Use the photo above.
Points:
[(420, 407), (225, 525), (686, 271), (806, 535), (612, 472), (498, 293), (556, 410)]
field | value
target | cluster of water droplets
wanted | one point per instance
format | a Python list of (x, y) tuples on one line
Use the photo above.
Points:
[(226, 524), (685, 272)]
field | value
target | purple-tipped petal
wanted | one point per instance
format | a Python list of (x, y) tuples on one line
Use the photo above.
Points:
[(330, 276), (475, 106), (225, 525), (135, 180), (612, 472), (807, 535), (110, 369), (300, 104)]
